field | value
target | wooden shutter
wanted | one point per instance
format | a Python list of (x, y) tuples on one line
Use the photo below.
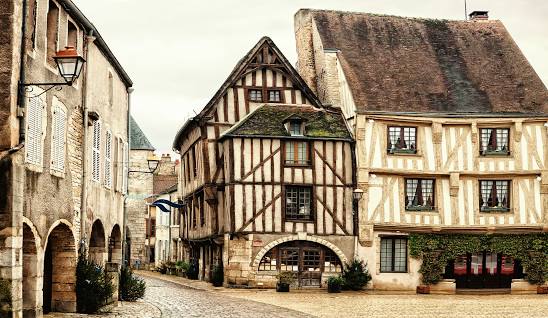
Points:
[(108, 159), (96, 152), (34, 141), (58, 138), (125, 170)]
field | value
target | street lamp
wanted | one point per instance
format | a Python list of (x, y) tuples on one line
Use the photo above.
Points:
[(69, 64), (153, 162), (357, 194)]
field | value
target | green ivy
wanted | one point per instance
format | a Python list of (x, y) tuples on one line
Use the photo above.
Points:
[(436, 250)]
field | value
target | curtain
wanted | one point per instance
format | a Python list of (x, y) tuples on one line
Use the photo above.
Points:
[(411, 189)]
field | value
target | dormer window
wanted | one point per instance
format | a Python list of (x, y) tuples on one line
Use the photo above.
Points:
[(296, 128), (255, 95), (494, 141)]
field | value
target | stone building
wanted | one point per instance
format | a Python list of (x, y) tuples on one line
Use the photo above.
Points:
[(140, 186), (63, 154), (266, 178), (450, 126)]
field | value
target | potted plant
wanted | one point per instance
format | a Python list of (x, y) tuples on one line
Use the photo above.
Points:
[(217, 275), (355, 275), (542, 289), (334, 284), (423, 289), (285, 279)]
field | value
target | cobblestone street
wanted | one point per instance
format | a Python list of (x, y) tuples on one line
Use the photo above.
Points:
[(167, 296)]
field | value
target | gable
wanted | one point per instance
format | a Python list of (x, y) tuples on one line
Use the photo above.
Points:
[(263, 71)]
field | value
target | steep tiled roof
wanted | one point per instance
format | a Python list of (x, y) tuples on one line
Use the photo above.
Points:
[(269, 120), (409, 64), (138, 139)]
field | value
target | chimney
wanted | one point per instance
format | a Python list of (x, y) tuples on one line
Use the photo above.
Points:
[(166, 157), (479, 15)]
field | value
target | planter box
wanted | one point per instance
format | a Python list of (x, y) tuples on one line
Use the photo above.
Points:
[(522, 286), (333, 288), (282, 287), (542, 289), (444, 287), (423, 289)]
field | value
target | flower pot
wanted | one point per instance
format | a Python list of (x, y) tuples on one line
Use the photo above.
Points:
[(334, 288), (542, 289), (423, 289), (282, 287), (217, 283)]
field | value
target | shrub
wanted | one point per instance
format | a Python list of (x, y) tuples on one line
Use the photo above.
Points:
[(93, 286), (131, 287), (217, 275), (355, 275), (334, 284), (5, 298), (286, 278), (193, 269)]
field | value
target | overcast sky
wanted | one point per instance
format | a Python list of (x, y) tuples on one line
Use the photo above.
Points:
[(178, 52)]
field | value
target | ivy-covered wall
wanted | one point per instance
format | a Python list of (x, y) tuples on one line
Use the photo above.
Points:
[(435, 250)]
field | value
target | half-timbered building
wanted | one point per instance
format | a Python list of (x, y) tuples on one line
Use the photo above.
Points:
[(266, 178), (450, 122)]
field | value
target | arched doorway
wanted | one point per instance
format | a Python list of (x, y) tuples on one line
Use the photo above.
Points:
[(60, 271), (309, 261), (127, 251), (97, 243), (115, 245), (32, 275)]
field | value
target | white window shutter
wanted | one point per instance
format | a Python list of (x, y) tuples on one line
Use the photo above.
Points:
[(34, 131), (125, 170), (108, 159), (58, 133), (95, 157)]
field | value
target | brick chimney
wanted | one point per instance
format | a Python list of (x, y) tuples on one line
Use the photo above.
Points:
[(479, 15)]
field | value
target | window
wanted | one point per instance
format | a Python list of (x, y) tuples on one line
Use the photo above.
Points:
[(31, 25), (296, 128), (72, 35), (268, 262), (298, 205), (289, 259), (58, 137), (255, 95), (274, 96), (108, 160), (402, 139), (296, 153), (110, 89), (419, 194), (96, 152), (393, 255), (34, 145), (202, 210), (194, 162), (332, 262), (494, 141), (495, 195), (52, 32)]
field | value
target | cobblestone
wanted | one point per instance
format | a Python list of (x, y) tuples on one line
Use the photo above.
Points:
[(350, 304)]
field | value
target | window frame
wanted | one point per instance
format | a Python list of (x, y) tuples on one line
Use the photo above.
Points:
[(393, 254), (489, 209), (311, 216), (268, 91), (419, 208), (253, 89), (397, 151), (500, 153), (307, 162)]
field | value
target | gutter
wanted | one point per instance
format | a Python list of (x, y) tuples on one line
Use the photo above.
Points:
[(75, 13), (126, 195), (21, 100), (83, 194)]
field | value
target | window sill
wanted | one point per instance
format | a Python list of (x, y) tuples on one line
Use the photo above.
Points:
[(495, 154), (59, 174), (299, 221), (297, 165), (394, 272), (402, 152), (494, 210), (421, 209)]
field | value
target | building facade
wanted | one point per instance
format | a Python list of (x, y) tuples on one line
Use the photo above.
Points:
[(450, 122), (266, 178), (63, 154)]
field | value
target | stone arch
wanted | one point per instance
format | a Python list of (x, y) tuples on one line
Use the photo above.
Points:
[(60, 258), (115, 245), (309, 238), (32, 271), (97, 243)]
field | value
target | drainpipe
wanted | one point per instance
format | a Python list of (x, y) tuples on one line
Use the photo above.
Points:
[(83, 194), (124, 213), (21, 100)]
